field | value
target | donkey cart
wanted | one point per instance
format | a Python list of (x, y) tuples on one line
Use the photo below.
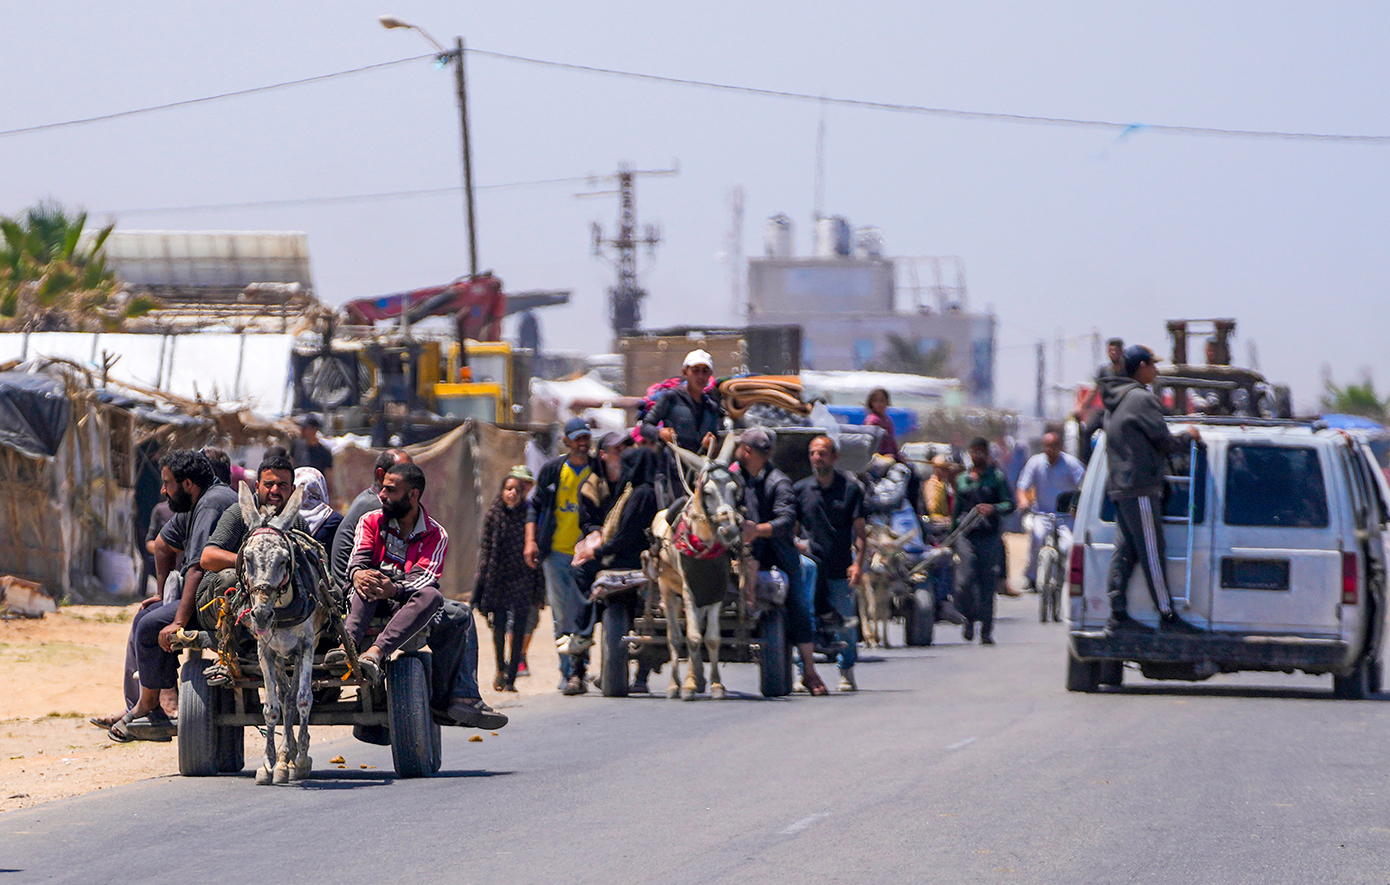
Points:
[(395, 713), (635, 628)]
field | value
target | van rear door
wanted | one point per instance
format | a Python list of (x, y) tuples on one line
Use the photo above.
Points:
[(1276, 563)]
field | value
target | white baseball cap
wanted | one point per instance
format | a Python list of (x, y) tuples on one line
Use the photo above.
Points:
[(698, 358)]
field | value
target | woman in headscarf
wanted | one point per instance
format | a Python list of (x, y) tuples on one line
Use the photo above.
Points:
[(314, 508), (506, 588)]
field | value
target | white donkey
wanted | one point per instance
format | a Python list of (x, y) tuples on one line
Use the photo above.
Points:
[(286, 625), (708, 529)]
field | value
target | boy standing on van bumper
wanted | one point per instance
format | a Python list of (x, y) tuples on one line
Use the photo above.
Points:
[(1136, 447)]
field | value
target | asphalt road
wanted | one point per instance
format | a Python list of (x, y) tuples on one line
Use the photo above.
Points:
[(952, 764)]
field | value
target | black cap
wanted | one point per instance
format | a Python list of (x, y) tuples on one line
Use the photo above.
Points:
[(1135, 356)]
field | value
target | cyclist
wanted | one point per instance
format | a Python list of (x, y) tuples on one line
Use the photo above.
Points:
[(1044, 477)]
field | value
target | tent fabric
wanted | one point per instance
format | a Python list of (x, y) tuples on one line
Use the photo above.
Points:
[(34, 413), (464, 470)]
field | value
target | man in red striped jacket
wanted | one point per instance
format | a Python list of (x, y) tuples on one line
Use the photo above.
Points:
[(397, 555)]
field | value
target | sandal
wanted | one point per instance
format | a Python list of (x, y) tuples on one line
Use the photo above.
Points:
[(157, 726), (816, 687), (105, 722)]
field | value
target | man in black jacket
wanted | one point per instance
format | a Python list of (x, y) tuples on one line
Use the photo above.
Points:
[(684, 415), (1137, 443), (552, 532)]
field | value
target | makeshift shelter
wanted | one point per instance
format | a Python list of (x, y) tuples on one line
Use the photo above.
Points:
[(464, 470)]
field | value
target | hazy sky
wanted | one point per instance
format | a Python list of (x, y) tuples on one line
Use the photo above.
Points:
[(1061, 229)]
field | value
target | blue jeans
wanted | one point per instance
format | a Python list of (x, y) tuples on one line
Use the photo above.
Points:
[(843, 601), (566, 602), (801, 604)]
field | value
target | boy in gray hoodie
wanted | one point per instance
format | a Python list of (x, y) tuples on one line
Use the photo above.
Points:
[(1137, 443)]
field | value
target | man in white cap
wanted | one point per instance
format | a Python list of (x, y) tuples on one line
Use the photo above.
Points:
[(687, 415)]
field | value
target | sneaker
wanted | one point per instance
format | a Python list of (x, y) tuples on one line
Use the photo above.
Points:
[(474, 714), (847, 682), (948, 612), (639, 686), (563, 683), (575, 685), (986, 640), (522, 670)]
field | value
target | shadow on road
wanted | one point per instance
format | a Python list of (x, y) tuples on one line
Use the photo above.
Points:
[(1238, 691)]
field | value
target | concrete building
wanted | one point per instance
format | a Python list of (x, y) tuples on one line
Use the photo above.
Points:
[(852, 303)]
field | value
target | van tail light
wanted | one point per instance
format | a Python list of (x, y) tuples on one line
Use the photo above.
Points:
[(1076, 570), (1350, 574)]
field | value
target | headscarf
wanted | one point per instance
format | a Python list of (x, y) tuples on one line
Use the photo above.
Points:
[(640, 467), (314, 508)]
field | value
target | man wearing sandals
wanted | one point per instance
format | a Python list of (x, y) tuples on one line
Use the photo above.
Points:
[(397, 558)]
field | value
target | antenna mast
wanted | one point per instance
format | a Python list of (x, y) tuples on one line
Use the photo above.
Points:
[(625, 296)]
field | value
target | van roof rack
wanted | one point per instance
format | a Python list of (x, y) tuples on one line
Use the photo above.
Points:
[(1246, 421)]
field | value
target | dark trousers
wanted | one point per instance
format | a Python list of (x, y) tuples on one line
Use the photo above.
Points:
[(156, 667), (410, 612), (1138, 538), (977, 577), (454, 645), (504, 624)]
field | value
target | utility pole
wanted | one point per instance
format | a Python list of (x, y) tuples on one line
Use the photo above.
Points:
[(625, 296), (734, 254), (461, 85), (1040, 404)]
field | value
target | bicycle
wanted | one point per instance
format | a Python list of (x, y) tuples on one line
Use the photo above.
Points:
[(1052, 564)]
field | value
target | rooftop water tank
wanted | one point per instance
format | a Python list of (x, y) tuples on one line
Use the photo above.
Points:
[(832, 237), (868, 243), (777, 237)]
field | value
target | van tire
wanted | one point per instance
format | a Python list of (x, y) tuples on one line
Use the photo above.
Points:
[(1082, 675), (1375, 675), (1111, 673), (1356, 685)]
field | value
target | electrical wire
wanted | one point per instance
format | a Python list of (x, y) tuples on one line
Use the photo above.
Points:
[(192, 101), (1125, 128), (348, 198)]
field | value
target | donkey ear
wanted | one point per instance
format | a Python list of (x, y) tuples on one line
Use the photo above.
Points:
[(250, 514), (692, 460), (726, 451), (282, 520)]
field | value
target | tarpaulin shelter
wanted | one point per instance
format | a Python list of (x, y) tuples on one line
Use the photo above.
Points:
[(464, 470)]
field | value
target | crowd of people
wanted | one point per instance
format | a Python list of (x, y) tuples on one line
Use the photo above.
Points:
[(548, 534)]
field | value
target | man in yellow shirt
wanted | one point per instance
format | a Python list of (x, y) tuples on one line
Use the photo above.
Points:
[(552, 531)]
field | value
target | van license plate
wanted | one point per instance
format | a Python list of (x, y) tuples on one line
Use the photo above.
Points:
[(1254, 574)]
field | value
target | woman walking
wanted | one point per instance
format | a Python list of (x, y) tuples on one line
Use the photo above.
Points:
[(506, 588)]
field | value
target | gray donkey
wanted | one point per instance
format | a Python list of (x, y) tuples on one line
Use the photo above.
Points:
[(286, 626)]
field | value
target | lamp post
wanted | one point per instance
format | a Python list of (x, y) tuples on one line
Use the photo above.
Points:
[(454, 56)]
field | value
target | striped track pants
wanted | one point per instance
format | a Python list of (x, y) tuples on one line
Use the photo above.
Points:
[(1138, 539)]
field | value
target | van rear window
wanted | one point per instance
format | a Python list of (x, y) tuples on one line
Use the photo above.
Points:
[(1278, 486)]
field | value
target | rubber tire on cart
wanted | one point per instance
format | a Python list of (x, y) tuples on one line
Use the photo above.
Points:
[(414, 735), (231, 739), (1356, 685), (1111, 673), (774, 655), (613, 669), (198, 756), (919, 617), (1082, 675)]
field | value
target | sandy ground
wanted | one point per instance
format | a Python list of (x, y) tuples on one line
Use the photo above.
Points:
[(58, 670)]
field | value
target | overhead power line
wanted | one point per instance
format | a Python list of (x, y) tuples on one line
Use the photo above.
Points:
[(944, 112), (347, 198), (896, 107), (115, 115)]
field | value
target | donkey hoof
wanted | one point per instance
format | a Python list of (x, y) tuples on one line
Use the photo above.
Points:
[(716, 692), (302, 769), (282, 774), (262, 776), (673, 692)]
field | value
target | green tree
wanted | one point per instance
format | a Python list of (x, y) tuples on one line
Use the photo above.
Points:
[(909, 358), (1356, 399), (53, 280)]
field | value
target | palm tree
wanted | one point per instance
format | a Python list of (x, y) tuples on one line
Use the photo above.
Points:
[(51, 280), (911, 359), (1356, 399)]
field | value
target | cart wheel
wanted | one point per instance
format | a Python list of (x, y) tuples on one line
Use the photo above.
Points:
[(617, 621), (1082, 675), (919, 618), (198, 751), (414, 734), (775, 656), (231, 739)]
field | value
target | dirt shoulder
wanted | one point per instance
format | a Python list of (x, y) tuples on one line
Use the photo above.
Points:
[(58, 670)]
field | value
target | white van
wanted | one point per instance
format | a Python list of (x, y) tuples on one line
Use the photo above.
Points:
[(1280, 559)]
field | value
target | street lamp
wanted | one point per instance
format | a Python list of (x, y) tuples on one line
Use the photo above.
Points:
[(455, 56)]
